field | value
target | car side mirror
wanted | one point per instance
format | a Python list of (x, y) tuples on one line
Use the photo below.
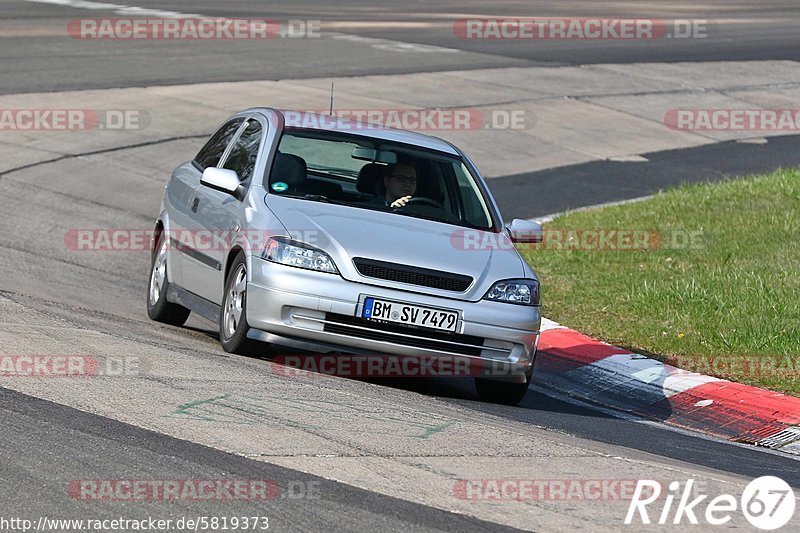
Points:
[(222, 179), (524, 231)]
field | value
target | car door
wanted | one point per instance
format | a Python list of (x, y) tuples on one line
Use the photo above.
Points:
[(181, 201), (219, 215)]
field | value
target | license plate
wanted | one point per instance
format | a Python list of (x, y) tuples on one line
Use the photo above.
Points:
[(412, 315)]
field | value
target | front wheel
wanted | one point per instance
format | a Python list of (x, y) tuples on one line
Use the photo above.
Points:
[(233, 318)]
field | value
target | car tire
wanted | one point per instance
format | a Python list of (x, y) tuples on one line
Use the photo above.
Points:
[(158, 308), (502, 392), (233, 326)]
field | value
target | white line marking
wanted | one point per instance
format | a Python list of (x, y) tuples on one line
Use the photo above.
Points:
[(122, 9), (650, 373), (548, 324), (392, 46), (683, 380), (119, 9), (628, 159)]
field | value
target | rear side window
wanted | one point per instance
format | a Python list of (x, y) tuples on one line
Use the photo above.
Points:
[(244, 153), (211, 153)]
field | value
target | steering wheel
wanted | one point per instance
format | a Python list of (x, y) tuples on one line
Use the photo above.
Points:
[(422, 200)]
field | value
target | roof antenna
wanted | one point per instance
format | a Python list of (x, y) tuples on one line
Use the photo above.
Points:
[(331, 111)]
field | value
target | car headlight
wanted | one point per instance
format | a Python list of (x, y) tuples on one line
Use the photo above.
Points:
[(515, 291), (297, 254)]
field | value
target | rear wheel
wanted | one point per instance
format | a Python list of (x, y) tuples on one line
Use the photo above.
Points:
[(233, 326), (158, 308)]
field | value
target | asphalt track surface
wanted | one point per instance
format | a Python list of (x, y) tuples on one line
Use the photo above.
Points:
[(95, 443), (607, 181), (35, 47), (45, 291)]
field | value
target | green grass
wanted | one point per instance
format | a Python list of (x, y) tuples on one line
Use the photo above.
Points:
[(729, 306)]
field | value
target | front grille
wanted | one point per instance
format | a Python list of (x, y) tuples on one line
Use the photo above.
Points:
[(412, 275), (431, 340)]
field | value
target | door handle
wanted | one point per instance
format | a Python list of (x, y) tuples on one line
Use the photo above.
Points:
[(195, 203)]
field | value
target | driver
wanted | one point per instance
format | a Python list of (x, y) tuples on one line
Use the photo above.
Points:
[(400, 185)]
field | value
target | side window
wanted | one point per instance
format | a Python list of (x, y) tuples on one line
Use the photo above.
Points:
[(211, 153), (242, 158), (477, 212)]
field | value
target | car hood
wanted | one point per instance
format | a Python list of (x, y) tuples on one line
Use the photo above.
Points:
[(348, 232)]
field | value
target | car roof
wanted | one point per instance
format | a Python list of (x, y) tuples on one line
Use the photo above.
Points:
[(322, 122)]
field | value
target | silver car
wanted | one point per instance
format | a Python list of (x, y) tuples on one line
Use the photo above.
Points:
[(336, 237)]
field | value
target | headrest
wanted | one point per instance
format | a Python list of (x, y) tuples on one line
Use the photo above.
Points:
[(288, 168), (429, 186), (369, 176)]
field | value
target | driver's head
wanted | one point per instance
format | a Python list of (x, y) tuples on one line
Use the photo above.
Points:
[(402, 181)]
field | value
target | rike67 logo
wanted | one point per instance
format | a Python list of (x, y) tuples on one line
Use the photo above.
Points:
[(767, 503)]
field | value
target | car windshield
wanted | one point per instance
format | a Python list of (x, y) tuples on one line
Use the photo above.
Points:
[(375, 174)]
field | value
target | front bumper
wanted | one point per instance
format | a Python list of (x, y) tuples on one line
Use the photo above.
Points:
[(318, 311)]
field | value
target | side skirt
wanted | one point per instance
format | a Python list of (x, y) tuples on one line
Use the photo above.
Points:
[(201, 306)]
